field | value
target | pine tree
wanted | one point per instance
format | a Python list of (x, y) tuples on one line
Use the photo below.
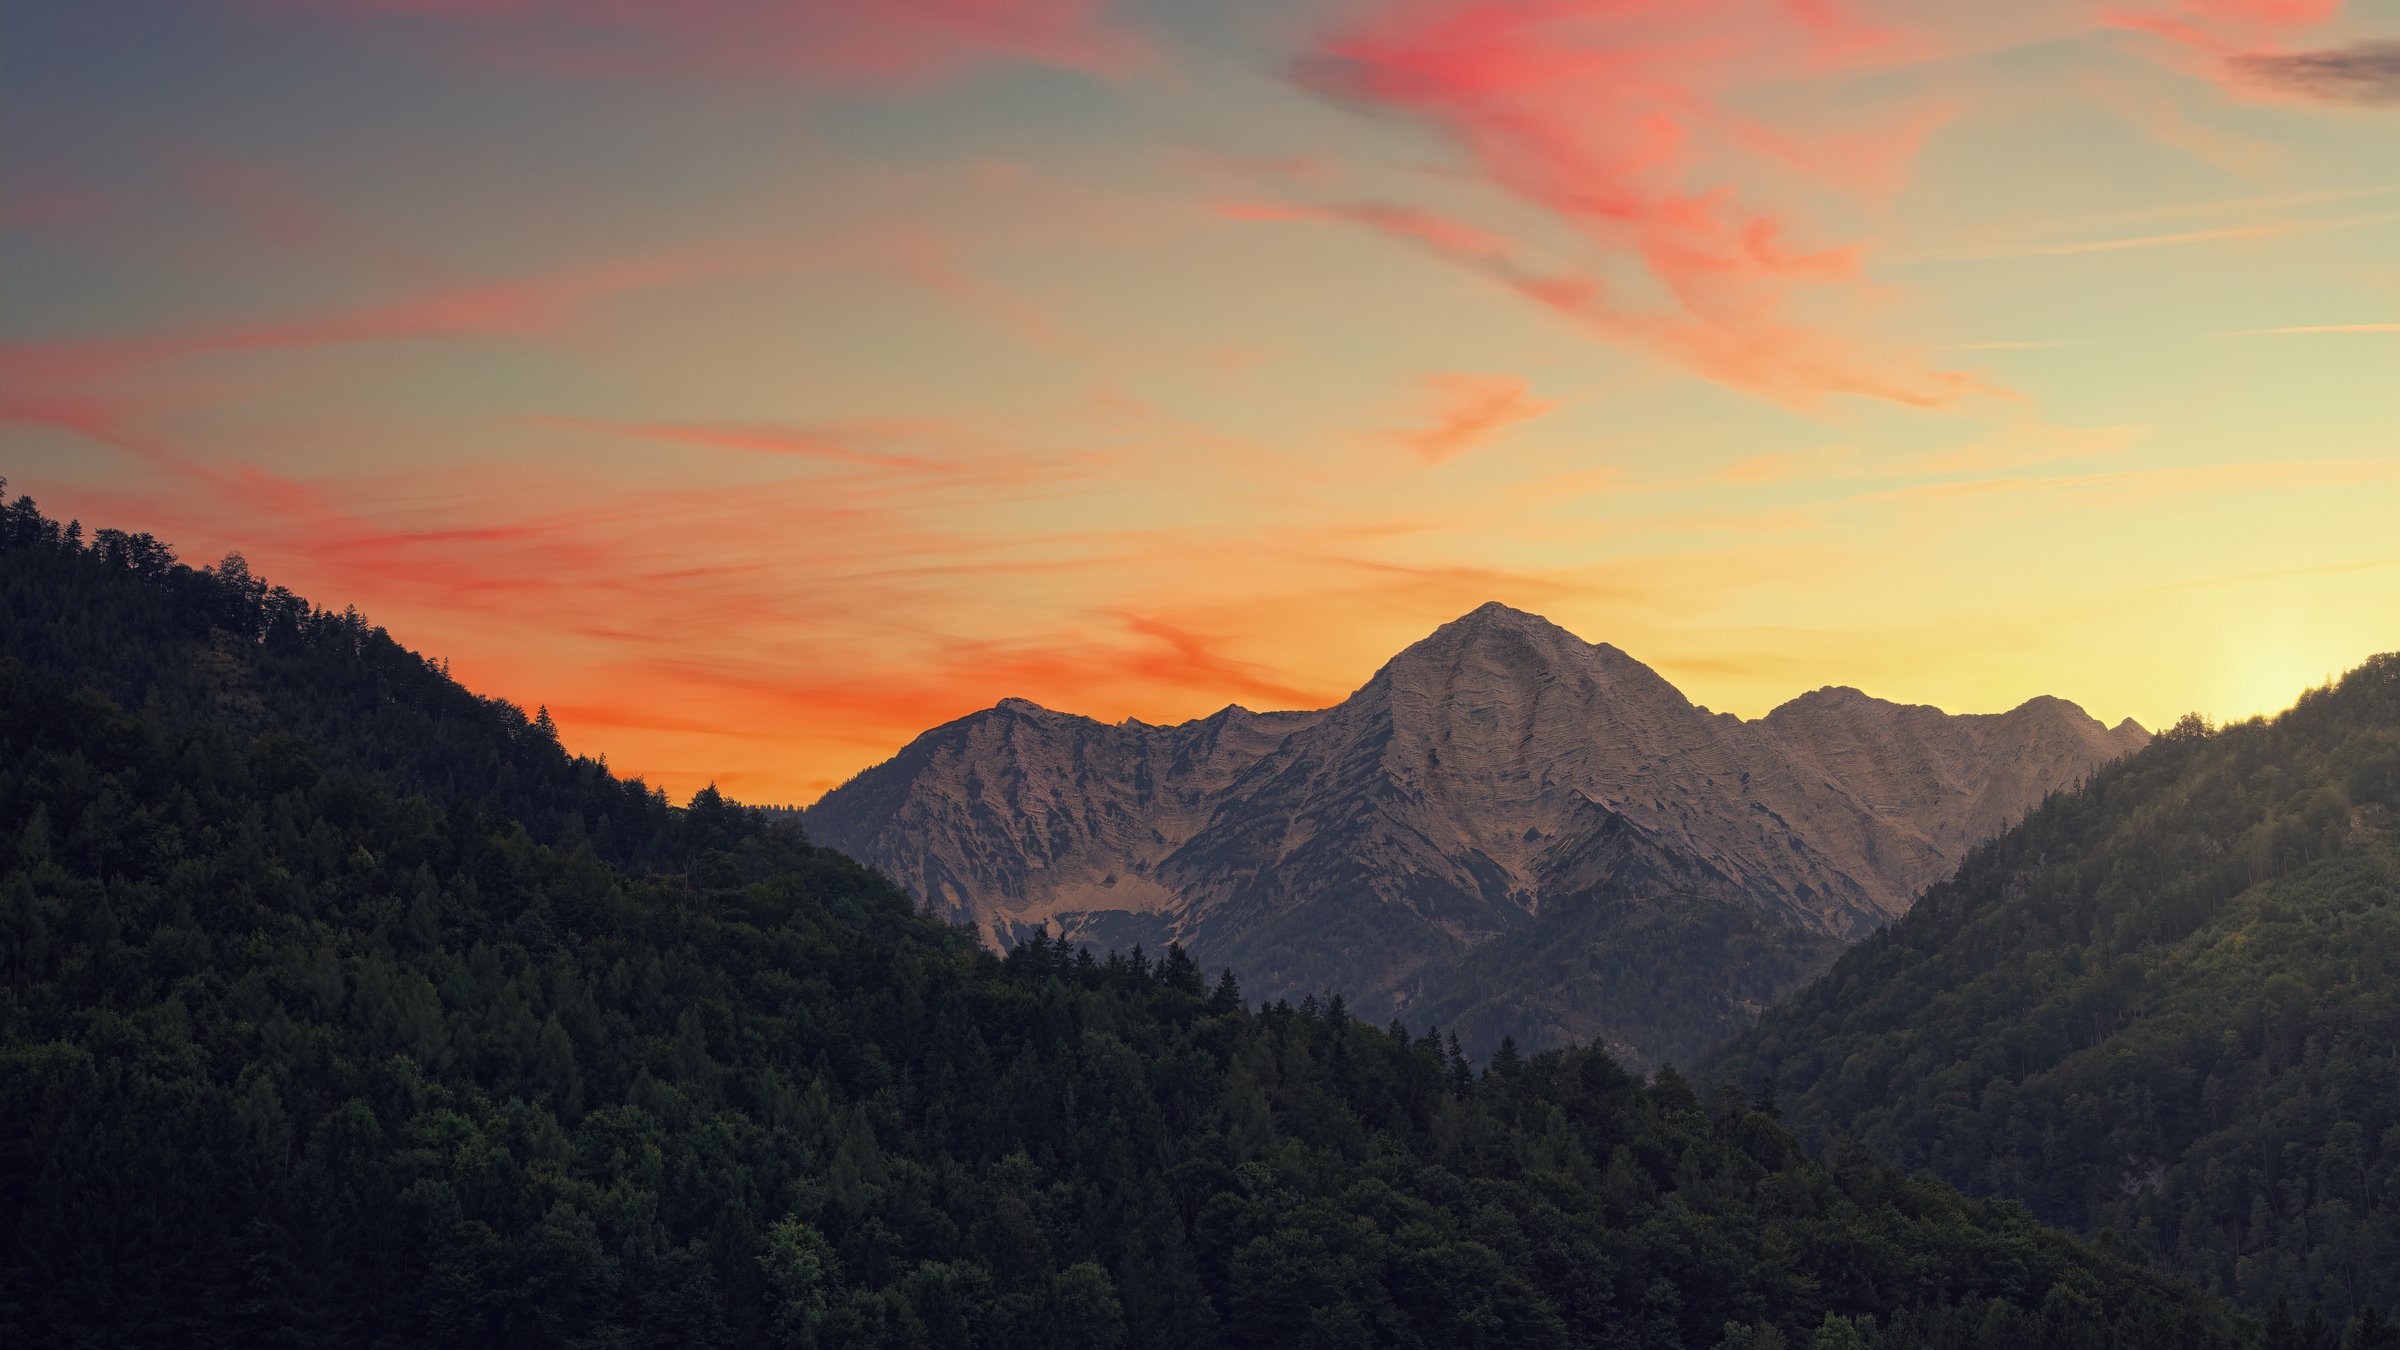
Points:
[(1227, 999)]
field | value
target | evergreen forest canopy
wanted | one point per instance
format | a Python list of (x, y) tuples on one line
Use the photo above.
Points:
[(2165, 1008), (119, 614), (341, 1006)]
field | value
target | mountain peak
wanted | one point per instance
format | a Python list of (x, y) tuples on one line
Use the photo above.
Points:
[(1503, 637), (1493, 625), (1492, 615), (1495, 609), (1026, 710), (2049, 703), (1498, 661), (2068, 712), (1834, 695)]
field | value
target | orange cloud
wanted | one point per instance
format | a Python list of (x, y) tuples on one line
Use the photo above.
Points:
[(1468, 411), (950, 678), (779, 630), (1184, 656)]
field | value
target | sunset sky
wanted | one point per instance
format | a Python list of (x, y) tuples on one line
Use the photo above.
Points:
[(758, 384)]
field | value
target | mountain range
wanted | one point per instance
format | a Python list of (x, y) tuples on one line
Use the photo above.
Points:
[(1507, 829), (341, 1006), (347, 1006)]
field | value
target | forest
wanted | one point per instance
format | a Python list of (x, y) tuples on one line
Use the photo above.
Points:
[(341, 1006), (2164, 1012)]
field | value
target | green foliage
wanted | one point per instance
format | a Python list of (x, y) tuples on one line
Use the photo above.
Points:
[(2161, 1011), (298, 1051)]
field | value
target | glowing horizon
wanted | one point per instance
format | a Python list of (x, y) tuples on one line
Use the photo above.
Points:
[(759, 385)]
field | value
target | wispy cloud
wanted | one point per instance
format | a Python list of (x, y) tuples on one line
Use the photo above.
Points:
[(1760, 351), (1467, 410), (2227, 29), (2171, 239), (928, 262), (2026, 444), (2022, 445), (958, 457), (506, 308), (1780, 467), (1613, 118), (2131, 486), (2304, 329)]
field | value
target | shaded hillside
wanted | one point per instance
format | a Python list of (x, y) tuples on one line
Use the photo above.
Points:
[(2167, 1005), (291, 1056), (119, 613), (1481, 804)]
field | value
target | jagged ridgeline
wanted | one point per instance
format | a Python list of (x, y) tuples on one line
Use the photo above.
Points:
[(2168, 1005), (305, 1041), (1507, 829)]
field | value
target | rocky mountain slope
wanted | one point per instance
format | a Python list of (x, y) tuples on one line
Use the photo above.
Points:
[(1500, 779)]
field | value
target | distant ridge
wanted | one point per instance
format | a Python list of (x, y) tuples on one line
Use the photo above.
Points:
[(1501, 786)]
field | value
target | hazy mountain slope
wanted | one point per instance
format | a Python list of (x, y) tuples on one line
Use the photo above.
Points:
[(1672, 974), (2165, 1005), (1485, 777), (1956, 779)]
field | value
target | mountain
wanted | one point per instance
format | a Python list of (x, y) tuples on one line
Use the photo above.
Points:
[(295, 1051), (1522, 832), (2163, 1006)]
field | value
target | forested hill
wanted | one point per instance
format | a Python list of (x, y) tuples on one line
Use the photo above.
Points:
[(119, 613), (297, 1052), (2168, 1005)]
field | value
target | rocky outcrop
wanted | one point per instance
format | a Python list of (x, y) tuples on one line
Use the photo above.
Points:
[(1492, 775)]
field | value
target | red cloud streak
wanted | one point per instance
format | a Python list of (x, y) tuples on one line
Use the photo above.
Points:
[(1603, 114), (1469, 410), (2229, 28)]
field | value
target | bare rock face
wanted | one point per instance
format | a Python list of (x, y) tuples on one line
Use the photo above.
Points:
[(1507, 826)]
